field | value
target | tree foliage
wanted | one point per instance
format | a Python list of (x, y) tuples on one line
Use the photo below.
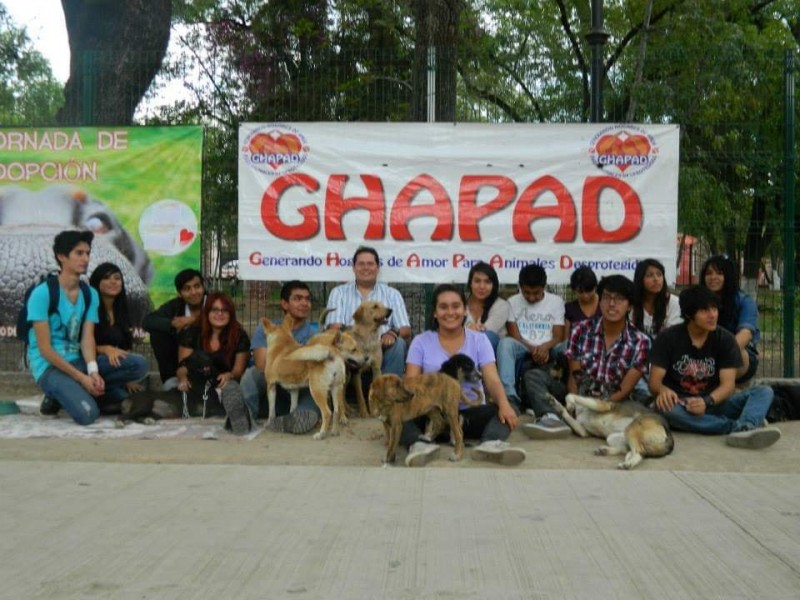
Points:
[(29, 94)]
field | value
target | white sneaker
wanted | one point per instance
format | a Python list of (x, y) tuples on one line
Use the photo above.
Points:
[(499, 452), (754, 439), (421, 453), (170, 384)]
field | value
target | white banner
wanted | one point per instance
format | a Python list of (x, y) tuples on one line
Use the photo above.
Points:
[(433, 199)]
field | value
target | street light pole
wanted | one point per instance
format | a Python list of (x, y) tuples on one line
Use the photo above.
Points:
[(597, 38)]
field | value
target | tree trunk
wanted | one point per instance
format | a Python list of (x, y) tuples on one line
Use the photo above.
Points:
[(436, 27), (116, 49)]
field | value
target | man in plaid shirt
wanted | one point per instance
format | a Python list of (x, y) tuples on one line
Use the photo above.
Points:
[(608, 349)]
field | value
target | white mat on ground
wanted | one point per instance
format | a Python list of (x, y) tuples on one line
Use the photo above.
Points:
[(30, 424)]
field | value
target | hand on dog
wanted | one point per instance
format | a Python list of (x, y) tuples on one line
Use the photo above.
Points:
[(134, 387)]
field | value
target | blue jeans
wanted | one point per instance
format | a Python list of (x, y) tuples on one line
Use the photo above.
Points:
[(744, 410), (509, 351), (254, 394), (133, 368), (70, 394), (394, 358)]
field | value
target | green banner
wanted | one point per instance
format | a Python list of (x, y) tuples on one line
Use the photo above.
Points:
[(137, 188)]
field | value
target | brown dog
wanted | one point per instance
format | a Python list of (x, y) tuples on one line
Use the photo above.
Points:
[(629, 427), (320, 367), (367, 320), (396, 402)]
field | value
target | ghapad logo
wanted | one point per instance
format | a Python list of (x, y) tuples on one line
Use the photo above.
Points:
[(623, 150), (275, 149)]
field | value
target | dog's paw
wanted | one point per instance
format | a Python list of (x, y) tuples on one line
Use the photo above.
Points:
[(454, 457), (149, 421), (624, 466), (320, 435), (601, 451)]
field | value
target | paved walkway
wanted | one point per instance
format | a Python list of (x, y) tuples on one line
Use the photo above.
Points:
[(133, 531)]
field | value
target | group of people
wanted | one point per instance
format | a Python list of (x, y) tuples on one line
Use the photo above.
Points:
[(689, 356)]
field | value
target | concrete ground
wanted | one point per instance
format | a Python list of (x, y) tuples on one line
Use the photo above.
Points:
[(287, 517)]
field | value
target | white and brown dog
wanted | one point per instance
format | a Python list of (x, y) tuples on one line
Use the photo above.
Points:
[(628, 427), (319, 366)]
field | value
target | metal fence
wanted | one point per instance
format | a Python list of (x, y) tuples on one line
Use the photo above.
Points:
[(734, 157)]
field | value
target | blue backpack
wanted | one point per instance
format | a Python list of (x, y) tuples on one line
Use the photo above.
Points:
[(24, 325)]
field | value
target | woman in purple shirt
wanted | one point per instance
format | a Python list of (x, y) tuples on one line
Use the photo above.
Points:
[(490, 422)]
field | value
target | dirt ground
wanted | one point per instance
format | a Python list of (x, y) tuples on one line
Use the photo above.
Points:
[(361, 445)]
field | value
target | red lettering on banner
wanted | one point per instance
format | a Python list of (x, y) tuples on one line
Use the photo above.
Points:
[(441, 209), (269, 208), (525, 213), (336, 205), (403, 211), (565, 262), (413, 260), (496, 261), (469, 213), (590, 213)]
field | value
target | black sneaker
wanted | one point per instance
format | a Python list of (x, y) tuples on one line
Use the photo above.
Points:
[(298, 422), (238, 420), (49, 406)]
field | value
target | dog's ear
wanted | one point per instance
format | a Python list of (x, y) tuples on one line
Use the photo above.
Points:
[(267, 324), (337, 337), (357, 316), (405, 395)]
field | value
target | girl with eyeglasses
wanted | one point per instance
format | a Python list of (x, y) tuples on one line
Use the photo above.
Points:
[(222, 338)]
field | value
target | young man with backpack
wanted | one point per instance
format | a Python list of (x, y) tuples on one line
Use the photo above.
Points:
[(61, 351)]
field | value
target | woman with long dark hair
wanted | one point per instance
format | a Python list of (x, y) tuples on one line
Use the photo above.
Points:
[(491, 421), (654, 307), (221, 338), (121, 369), (486, 310), (738, 312)]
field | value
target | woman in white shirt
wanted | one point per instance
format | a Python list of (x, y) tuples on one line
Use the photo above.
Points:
[(486, 311), (654, 307)]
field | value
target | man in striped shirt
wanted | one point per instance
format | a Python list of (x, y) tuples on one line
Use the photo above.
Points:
[(346, 298), (608, 349)]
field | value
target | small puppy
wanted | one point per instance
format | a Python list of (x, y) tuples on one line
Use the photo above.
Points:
[(367, 320), (628, 427), (147, 407), (318, 366), (395, 402)]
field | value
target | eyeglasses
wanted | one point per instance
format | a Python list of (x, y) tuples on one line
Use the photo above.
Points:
[(613, 299), (219, 311)]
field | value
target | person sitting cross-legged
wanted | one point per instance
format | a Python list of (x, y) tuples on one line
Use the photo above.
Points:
[(296, 305), (693, 371)]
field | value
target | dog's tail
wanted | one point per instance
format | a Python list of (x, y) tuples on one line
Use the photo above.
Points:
[(312, 353)]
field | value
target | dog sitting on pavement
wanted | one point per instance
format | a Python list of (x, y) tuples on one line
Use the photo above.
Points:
[(437, 395), (319, 366), (367, 321), (628, 426)]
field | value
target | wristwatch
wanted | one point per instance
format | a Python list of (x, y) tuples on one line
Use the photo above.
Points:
[(708, 400)]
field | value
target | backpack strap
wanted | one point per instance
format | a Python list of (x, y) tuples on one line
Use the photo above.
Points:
[(54, 289)]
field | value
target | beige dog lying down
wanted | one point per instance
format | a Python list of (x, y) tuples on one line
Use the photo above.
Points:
[(319, 366)]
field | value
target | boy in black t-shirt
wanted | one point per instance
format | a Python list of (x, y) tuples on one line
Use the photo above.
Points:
[(693, 372)]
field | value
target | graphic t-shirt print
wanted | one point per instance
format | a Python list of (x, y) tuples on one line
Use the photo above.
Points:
[(695, 374)]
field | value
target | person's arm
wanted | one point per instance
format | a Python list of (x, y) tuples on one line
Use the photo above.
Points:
[(183, 373), (626, 386), (491, 380), (673, 312), (41, 329), (498, 316), (161, 318), (666, 397), (88, 345), (412, 371), (334, 319), (697, 405), (399, 319)]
